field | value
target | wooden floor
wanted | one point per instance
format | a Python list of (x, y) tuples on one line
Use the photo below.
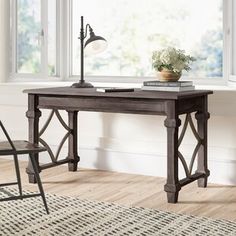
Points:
[(133, 190)]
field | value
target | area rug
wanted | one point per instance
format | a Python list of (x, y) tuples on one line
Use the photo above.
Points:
[(73, 216)]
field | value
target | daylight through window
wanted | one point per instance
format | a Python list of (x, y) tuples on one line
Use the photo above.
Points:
[(35, 37), (135, 28)]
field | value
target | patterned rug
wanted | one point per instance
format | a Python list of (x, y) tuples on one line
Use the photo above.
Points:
[(73, 216)]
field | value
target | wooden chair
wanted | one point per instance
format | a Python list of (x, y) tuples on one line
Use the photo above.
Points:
[(16, 148)]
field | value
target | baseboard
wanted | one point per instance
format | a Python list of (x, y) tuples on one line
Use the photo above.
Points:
[(222, 170)]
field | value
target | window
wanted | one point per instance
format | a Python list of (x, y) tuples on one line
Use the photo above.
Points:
[(234, 41), (45, 36), (135, 28), (34, 40)]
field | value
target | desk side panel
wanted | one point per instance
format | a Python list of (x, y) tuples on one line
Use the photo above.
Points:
[(189, 105)]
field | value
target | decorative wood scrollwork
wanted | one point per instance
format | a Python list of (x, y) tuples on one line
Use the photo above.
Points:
[(188, 169), (53, 157)]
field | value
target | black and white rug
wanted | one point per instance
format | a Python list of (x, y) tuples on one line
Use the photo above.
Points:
[(73, 216)]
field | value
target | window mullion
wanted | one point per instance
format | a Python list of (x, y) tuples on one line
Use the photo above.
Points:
[(44, 37), (58, 37), (13, 24), (232, 46), (64, 36), (233, 37), (227, 39), (70, 36)]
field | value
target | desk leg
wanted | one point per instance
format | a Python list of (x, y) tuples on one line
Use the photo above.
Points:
[(202, 117), (33, 114), (73, 141), (172, 123)]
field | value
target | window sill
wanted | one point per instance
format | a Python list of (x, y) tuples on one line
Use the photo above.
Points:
[(11, 94), (231, 86)]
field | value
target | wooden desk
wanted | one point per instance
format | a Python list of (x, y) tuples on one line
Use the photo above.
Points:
[(169, 104)]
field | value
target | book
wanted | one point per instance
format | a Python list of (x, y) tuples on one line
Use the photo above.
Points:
[(168, 84), (168, 88), (109, 90)]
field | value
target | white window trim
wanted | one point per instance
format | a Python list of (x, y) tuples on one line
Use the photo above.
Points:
[(13, 23), (44, 38), (65, 37), (232, 76), (64, 65), (227, 39)]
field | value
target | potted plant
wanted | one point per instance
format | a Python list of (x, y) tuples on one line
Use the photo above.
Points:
[(170, 62)]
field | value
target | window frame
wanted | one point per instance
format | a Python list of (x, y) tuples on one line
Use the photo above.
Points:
[(232, 43), (43, 74), (64, 48)]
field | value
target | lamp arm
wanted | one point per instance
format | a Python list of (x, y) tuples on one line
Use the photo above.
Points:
[(86, 30)]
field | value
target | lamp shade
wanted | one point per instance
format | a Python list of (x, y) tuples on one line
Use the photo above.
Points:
[(95, 44)]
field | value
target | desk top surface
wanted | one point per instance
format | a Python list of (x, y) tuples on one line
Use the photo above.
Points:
[(138, 93)]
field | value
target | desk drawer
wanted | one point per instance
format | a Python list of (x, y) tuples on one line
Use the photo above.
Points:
[(102, 104)]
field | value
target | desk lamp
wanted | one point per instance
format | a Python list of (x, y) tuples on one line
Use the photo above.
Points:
[(95, 44)]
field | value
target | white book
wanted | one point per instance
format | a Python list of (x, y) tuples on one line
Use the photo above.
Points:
[(168, 84), (168, 89)]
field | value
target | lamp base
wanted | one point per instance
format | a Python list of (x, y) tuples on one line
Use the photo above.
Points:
[(82, 84)]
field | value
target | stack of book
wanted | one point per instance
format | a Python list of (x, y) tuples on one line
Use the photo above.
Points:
[(177, 86)]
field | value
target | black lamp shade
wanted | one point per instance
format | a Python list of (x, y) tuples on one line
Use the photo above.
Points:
[(95, 44)]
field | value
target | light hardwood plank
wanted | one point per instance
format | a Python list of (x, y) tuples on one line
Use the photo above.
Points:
[(215, 201)]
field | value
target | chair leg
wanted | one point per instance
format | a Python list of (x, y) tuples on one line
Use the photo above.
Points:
[(18, 174), (36, 172)]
